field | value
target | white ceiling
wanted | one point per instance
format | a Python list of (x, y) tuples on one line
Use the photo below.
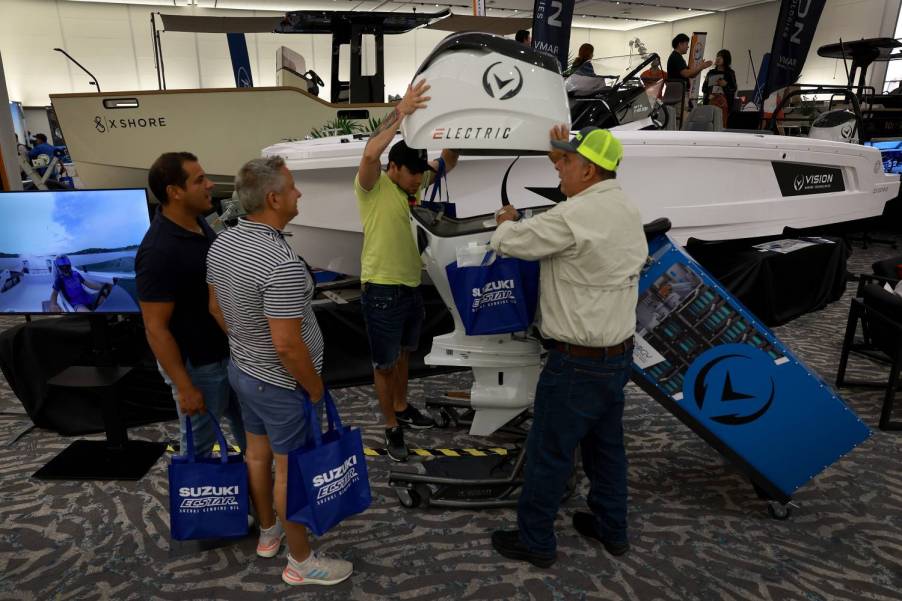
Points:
[(598, 14)]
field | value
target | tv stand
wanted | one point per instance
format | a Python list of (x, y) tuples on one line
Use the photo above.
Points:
[(117, 457)]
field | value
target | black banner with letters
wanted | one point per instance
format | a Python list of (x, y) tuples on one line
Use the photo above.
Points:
[(797, 179), (551, 28), (795, 30)]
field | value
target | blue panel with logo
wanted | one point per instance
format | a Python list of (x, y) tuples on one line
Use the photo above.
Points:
[(723, 373)]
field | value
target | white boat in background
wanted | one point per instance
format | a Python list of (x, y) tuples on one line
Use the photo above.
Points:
[(711, 185)]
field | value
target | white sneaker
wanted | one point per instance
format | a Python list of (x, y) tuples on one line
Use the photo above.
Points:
[(270, 540), (316, 570)]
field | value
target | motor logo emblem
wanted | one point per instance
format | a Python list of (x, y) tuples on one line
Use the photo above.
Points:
[(732, 384), (502, 82), (799, 182)]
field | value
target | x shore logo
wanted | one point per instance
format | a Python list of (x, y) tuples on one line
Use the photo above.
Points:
[(208, 498), (104, 125), (336, 481)]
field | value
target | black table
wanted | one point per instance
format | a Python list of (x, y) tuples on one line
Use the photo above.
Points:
[(774, 286)]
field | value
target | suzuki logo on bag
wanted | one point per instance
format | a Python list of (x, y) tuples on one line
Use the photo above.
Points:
[(211, 498), (501, 82), (336, 481), (494, 293)]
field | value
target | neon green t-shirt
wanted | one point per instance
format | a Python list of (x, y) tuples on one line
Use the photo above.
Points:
[(390, 254)]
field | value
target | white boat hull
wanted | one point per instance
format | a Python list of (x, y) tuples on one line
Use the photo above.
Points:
[(711, 185)]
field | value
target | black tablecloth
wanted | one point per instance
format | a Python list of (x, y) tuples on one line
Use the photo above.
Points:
[(777, 287), (32, 353)]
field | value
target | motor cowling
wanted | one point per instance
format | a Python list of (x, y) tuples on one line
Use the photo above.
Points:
[(838, 126), (488, 94)]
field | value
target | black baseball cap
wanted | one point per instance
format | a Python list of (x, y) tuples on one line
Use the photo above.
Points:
[(404, 156)]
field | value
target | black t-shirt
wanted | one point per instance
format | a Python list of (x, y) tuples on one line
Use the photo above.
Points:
[(171, 266), (675, 64)]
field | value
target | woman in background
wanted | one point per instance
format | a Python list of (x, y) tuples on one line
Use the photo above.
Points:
[(719, 88)]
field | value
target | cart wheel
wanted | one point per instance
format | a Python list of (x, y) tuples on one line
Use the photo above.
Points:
[(408, 497), (423, 494), (441, 417), (778, 510)]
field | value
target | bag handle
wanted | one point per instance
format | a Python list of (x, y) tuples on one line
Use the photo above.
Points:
[(189, 436), (437, 182), (313, 424)]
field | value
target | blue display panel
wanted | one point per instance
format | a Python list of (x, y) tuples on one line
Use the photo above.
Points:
[(68, 251), (891, 153), (723, 373)]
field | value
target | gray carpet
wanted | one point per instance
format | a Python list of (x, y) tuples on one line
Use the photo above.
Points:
[(697, 529)]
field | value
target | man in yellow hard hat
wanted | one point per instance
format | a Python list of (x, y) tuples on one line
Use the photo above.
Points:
[(591, 249)]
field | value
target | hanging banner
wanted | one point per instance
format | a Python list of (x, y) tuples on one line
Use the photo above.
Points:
[(792, 40), (241, 62), (696, 56), (551, 28), (758, 98)]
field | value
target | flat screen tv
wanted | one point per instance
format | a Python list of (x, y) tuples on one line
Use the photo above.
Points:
[(68, 251)]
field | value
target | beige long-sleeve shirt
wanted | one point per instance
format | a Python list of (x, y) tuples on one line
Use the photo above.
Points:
[(591, 249)]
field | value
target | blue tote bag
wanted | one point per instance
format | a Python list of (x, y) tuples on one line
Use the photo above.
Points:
[(327, 477), (498, 296), (207, 495)]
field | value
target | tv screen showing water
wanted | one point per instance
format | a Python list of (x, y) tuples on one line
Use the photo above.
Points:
[(70, 251)]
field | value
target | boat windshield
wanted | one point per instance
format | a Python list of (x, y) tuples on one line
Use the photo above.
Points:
[(622, 71)]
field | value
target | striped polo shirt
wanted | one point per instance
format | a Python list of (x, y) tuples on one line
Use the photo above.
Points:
[(256, 276)]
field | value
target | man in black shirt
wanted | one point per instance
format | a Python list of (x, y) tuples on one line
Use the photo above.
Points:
[(676, 64), (190, 347)]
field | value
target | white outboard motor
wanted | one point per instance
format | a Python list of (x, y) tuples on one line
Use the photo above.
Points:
[(489, 94), (839, 126)]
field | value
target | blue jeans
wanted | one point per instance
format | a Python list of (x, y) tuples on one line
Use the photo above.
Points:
[(393, 315), (579, 402), (213, 382)]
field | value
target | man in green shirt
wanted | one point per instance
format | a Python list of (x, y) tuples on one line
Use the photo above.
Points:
[(390, 263)]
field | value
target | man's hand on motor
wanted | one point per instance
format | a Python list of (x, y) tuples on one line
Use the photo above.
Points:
[(506, 213), (415, 98), (191, 401), (561, 133)]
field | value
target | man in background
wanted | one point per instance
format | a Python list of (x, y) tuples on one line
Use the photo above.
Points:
[(523, 37)]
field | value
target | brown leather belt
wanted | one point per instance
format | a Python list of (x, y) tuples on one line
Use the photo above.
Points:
[(575, 350)]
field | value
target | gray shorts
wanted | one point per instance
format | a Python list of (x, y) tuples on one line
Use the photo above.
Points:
[(272, 411)]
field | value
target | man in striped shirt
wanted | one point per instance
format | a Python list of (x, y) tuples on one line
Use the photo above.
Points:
[(260, 293)]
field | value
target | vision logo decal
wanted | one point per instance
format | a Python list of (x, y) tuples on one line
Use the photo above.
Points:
[(796, 179), (732, 384), (502, 82)]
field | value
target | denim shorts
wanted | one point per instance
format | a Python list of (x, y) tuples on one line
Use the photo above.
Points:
[(273, 411), (394, 317)]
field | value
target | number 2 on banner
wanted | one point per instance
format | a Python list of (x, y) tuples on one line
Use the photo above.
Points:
[(555, 18)]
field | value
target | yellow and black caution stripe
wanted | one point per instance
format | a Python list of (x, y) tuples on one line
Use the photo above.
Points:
[(466, 452), (469, 452)]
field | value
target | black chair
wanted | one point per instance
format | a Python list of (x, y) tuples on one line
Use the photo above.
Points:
[(888, 269), (880, 314)]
